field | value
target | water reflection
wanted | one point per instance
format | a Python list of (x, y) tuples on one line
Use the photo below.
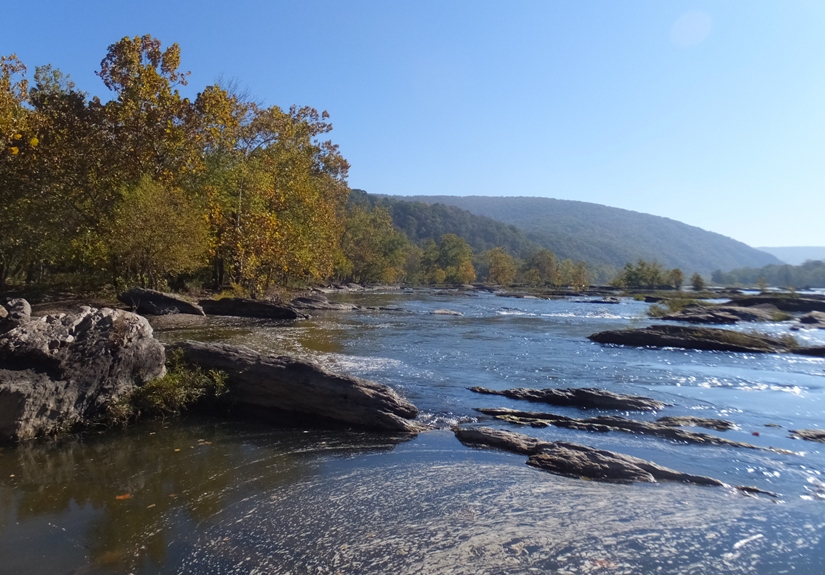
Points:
[(109, 501)]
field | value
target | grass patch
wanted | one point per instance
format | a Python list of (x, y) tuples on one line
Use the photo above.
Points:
[(183, 387), (670, 306)]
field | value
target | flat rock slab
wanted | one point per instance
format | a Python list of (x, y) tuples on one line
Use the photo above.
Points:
[(573, 460), (611, 423), (721, 314), (581, 397), (809, 434), (151, 302), (272, 385), (63, 370), (692, 421), (242, 307), (320, 303), (689, 337)]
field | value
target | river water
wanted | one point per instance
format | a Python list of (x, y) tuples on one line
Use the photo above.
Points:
[(230, 497)]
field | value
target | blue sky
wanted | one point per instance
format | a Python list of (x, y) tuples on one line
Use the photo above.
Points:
[(712, 113)]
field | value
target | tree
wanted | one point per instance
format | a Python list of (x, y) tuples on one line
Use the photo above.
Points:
[(455, 257), (157, 232), (502, 266), (676, 278), (373, 248), (697, 282), (541, 268)]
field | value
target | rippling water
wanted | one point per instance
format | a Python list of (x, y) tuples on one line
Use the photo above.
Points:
[(231, 497)]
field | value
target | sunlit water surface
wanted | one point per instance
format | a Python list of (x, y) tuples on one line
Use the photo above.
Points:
[(201, 496)]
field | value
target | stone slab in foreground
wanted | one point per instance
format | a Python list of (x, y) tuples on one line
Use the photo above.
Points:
[(277, 384)]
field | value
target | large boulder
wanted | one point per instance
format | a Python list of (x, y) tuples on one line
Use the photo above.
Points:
[(704, 338), (242, 307), (273, 386), (814, 319), (151, 302), (62, 370), (15, 312)]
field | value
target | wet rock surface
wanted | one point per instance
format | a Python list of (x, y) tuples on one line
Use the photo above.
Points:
[(320, 302), (691, 421), (271, 386), (151, 302), (62, 370), (809, 434), (242, 307), (721, 314), (446, 312), (582, 397), (608, 423), (690, 337), (573, 460)]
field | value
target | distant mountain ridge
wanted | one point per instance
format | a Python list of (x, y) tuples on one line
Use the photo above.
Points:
[(604, 235), (797, 255)]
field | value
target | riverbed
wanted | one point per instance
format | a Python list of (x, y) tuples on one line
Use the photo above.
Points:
[(206, 496)]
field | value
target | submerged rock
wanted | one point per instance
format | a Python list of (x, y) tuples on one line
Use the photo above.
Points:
[(582, 397), (573, 460), (611, 423), (242, 307), (151, 302), (273, 385), (63, 370), (704, 338)]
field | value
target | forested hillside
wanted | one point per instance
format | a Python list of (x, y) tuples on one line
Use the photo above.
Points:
[(420, 221), (809, 274), (605, 235)]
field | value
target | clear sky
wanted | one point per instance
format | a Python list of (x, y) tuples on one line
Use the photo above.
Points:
[(712, 113)]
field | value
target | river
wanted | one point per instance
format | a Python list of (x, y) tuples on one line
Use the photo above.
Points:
[(231, 497)]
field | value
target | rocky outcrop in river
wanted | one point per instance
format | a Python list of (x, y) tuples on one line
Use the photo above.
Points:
[(661, 428), (62, 370), (242, 307), (725, 314), (704, 338), (784, 303), (573, 460), (582, 397), (274, 385), (151, 302)]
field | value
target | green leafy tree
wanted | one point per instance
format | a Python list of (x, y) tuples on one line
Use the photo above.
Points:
[(676, 278), (697, 282), (541, 268), (157, 233), (502, 266), (373, 248)]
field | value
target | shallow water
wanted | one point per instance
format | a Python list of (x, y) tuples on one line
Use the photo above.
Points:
[(230, 497)]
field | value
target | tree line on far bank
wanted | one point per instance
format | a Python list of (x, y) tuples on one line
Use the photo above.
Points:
[(810, 274)]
